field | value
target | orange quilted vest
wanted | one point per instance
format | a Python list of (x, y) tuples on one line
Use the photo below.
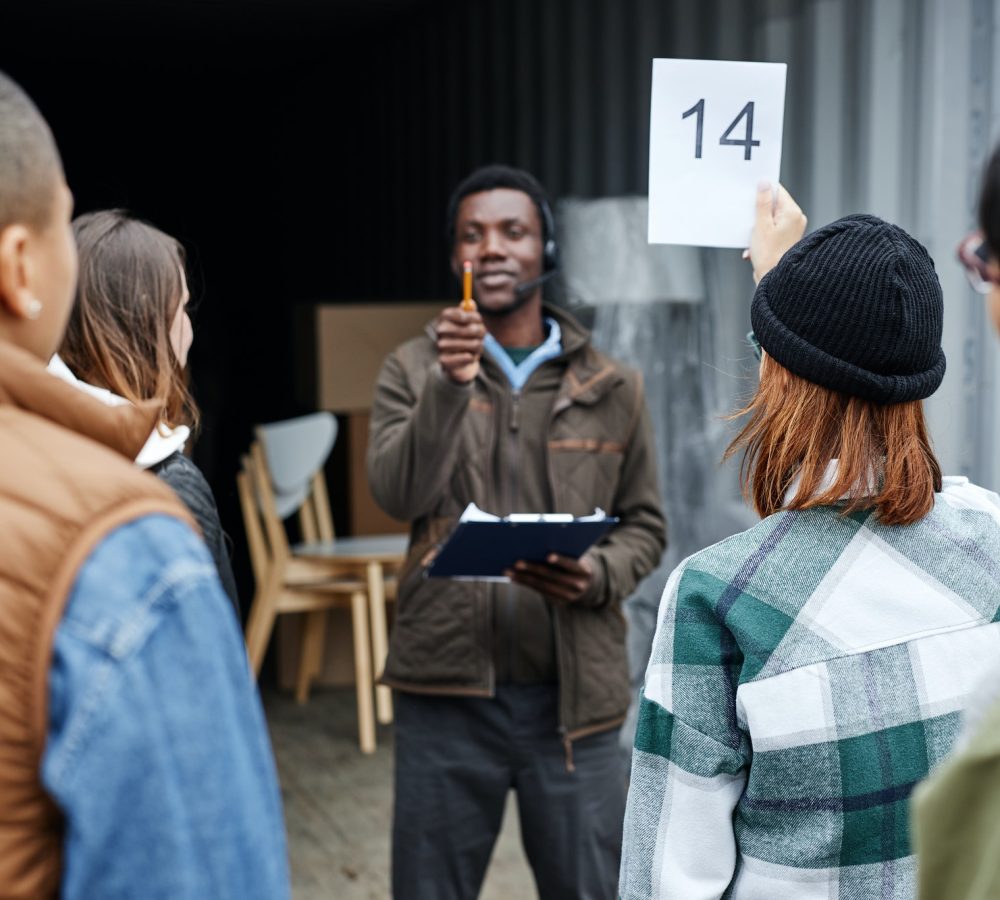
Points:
[(66, 480)]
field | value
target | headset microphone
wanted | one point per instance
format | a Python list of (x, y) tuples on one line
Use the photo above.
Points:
[(527, 287)]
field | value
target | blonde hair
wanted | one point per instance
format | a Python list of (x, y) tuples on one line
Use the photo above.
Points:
[(796, 428)]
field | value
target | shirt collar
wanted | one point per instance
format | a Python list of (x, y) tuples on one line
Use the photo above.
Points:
[(518, 375), (869, 489)]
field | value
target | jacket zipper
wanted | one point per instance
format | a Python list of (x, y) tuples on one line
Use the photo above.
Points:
[(567, 738), (514, 448), (488, 594)]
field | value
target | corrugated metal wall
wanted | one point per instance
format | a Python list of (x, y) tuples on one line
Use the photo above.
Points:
[(891, 108)]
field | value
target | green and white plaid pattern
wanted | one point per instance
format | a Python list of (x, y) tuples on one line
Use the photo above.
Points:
[(805, 675)]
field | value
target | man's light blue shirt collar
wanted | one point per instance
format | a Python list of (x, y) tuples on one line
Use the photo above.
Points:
[(518, 375)]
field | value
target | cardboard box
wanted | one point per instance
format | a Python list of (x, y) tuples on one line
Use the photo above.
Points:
[(352, 341), (365, 515)]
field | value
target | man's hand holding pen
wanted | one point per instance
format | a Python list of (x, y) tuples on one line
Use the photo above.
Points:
[(460, 343), (460, 332)]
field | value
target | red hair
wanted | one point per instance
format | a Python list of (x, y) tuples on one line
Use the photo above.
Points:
[(796, 428)]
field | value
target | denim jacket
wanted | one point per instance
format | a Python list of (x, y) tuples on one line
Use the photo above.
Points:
[(157, 752)]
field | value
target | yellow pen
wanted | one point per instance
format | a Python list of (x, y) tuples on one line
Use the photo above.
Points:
[(468, 304)]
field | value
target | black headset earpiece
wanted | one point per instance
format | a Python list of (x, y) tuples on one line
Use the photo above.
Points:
[(550, 252)]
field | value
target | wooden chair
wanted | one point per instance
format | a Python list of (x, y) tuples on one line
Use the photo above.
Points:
[(286, 584), (295, 451)]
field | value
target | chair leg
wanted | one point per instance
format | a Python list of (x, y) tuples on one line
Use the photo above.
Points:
[(260, 623), (311, 652), (380, 638), (253, 616), (316, 660), (363, 672)]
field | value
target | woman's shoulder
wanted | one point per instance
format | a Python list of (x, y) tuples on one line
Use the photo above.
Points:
[(779, 561), (186, 479), (960, 493), (737, 548), (177, 465)]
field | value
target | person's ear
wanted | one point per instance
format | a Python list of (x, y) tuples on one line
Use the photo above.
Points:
[(456, 265), (16, 296)]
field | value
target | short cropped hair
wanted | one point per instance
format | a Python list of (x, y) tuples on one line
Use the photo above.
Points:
[(489, 178), (796, 428), (989, 204), (29, 161), (127, 294)]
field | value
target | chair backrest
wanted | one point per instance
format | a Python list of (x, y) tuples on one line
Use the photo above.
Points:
[(318, 507), (266, 536), (294, 452), (275, 538), (250, 505)]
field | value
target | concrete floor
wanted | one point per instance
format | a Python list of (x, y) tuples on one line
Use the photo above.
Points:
[(338, 805)]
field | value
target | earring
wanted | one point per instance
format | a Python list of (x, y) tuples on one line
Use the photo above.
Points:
[(33, 308)]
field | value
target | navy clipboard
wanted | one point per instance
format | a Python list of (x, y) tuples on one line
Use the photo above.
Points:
[(481, 549)]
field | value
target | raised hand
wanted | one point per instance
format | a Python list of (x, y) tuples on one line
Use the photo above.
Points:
[(460, 343), (780, 224)]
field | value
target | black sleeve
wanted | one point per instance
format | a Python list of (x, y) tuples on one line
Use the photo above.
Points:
[(186, 480)]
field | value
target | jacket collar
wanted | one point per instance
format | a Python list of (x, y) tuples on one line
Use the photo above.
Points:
[(163, 440), (574, 336), (590, 375), (25, 384)]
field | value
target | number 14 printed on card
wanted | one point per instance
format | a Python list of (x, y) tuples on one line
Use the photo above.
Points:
[(715, 134)]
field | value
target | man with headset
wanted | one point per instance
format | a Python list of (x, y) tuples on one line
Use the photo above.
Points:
[(511, 686)]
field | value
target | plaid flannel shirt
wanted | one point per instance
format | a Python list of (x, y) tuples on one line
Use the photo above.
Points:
[(805, 675)]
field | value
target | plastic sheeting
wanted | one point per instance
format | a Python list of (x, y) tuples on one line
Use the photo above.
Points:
[(667, 312)]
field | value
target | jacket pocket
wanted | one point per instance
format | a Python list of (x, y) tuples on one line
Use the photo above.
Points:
[(586, 473), (437, 638)]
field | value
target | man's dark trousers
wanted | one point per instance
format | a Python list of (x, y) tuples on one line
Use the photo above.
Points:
[(456, 759)]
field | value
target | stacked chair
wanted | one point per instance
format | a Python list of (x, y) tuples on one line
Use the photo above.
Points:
[(281, 476)]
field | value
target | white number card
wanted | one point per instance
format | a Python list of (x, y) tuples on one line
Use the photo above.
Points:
[(714, 135)]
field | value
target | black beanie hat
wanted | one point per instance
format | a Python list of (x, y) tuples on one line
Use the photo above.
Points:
[(855, 307)]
